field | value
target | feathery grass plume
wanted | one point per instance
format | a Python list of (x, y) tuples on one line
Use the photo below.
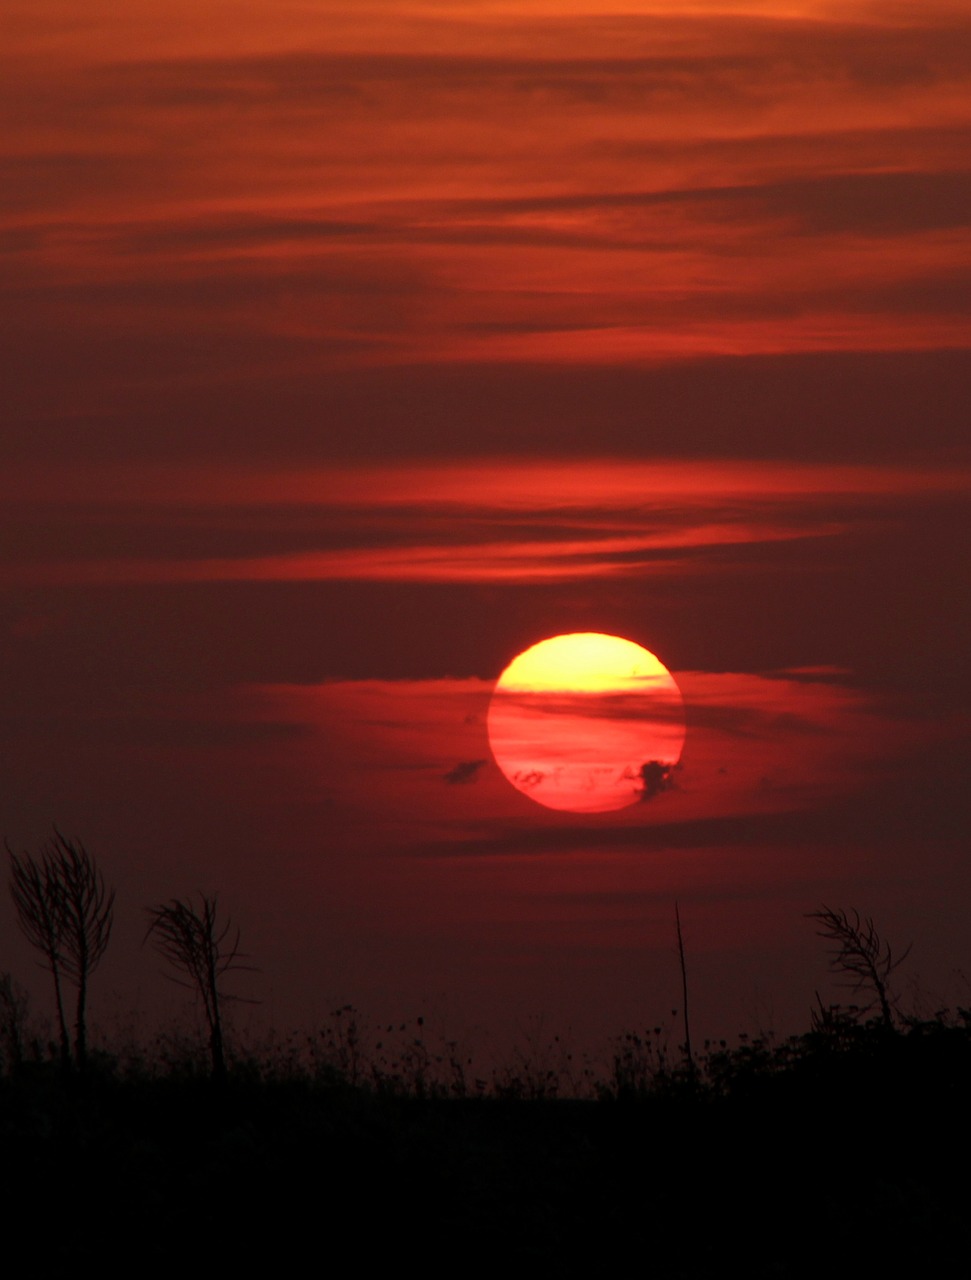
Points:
[(860, 952), (195, 943), (66, 913)]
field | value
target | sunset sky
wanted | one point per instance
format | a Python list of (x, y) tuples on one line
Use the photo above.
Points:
[(349, 349)]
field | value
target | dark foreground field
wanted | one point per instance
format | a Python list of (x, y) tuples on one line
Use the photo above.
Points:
[(842, 1152)]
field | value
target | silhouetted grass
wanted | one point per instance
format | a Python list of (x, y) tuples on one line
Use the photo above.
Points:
[(839, 1151)]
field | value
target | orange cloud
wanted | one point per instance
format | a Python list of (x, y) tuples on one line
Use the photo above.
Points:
[(401, 182)]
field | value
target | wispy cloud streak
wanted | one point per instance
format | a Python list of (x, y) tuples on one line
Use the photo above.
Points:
[(478, 523)]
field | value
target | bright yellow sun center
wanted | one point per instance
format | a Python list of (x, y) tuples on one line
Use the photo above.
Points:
[(584, 662)]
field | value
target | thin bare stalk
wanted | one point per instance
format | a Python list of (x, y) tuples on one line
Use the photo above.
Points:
[(689, 1057)]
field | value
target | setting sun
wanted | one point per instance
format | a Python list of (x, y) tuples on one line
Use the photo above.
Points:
[(586, 722)]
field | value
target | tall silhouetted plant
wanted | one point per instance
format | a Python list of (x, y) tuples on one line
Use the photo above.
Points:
[(860, 952), (66, 912), (194, 943)]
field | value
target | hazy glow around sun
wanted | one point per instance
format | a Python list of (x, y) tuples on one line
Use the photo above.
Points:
[(586, 722)]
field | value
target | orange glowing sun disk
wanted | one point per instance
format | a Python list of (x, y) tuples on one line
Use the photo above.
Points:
[(586, 722)]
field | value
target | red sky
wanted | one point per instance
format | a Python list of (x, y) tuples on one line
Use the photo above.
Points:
[(348, 350)]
